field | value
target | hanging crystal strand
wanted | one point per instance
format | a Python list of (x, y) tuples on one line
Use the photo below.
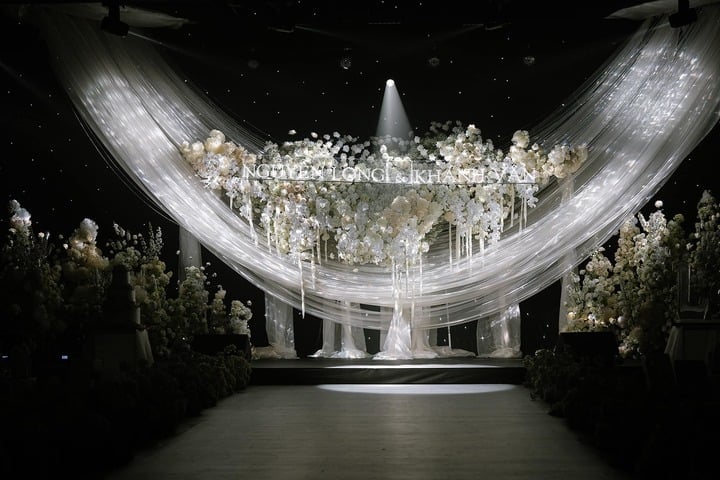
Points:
[(457, 242), (267, 231), (302, 287), (502, 213), (393, 273), (469, 243), (412, 301), (470, 248), (447, 316), (312, 266), (512, 206), (317, 242), (395, 288), (421, 273), (277, 234), (407, 270), (450, 244), (253, 234)]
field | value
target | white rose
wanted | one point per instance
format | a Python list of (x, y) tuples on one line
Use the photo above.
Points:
[(521, 138)]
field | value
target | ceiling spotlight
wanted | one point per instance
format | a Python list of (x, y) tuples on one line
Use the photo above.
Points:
[(684, 16), (346, 63), (112, 23), (529, 60), (253, 63), (390, 82), (433, 62)]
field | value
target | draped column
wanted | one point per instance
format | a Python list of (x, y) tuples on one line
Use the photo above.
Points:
[(279, 327), (498, 336)]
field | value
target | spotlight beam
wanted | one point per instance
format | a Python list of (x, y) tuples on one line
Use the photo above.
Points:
[(393, 120)]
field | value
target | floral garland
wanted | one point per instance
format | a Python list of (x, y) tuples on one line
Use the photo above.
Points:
[(382, 201)]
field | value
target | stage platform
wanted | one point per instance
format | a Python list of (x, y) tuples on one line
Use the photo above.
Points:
[(316, 371)]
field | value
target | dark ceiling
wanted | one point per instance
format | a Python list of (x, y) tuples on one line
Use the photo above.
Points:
[(278, 66)]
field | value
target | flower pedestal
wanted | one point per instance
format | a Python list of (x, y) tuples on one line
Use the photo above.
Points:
[(599, 346), (214, 343)]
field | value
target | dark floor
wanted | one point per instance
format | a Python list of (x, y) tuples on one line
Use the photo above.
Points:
[(372, 431)]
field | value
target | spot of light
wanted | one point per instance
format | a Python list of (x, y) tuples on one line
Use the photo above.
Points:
[(390, 82), (529, 60), (418, 389), (433, 62)]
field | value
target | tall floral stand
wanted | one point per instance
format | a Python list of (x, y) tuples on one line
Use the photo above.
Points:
[(119, 338)]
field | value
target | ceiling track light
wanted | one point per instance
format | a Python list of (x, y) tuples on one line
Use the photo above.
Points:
[(111, 23)]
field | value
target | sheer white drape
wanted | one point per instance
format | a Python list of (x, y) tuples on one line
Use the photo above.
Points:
[(190, 252), (342, 340), (280, 329), (499, 335), (641, 115), (566, 187)]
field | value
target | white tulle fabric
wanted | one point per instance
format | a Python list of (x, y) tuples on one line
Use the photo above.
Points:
[(280, 329), (191, 252), (641, 114)]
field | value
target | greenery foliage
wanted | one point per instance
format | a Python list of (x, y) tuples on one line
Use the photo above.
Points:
[(50, 290), (69, 417), (84, 423)]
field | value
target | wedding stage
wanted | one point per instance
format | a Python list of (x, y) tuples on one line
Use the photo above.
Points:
[(315, 371), (400, 233)]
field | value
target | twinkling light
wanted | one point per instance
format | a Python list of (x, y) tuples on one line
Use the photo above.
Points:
[(650, 106)]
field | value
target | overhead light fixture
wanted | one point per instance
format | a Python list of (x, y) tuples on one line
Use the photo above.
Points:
[(684, 16), (346, 59), (112, 23)]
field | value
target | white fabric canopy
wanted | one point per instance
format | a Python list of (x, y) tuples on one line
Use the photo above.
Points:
[(640, 114)]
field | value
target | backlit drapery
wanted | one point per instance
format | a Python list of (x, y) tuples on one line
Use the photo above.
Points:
[(640, 114)]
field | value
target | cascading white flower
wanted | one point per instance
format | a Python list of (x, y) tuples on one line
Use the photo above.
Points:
[(378, 201), (20, 219)]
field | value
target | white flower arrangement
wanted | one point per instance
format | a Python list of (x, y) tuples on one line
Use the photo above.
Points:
[(30, 283), (705, 253), (239, 317), (626, 296), (44, 294), (380, 201)]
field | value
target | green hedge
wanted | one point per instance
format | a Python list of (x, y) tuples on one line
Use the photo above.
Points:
[(84, 423)]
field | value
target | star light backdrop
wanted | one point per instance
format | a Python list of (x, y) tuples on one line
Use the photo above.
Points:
[(323, 77)]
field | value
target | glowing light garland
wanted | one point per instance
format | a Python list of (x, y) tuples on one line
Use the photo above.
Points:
[(640, 115)]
